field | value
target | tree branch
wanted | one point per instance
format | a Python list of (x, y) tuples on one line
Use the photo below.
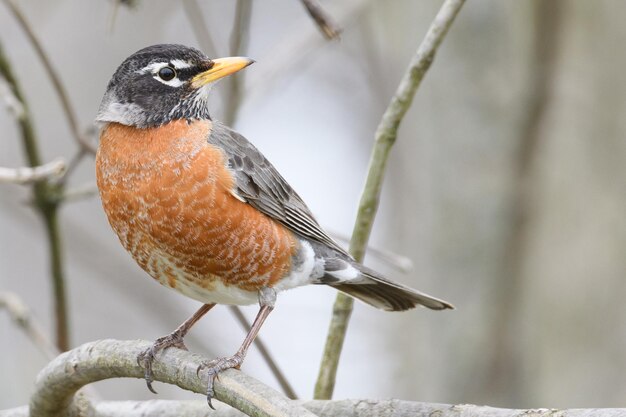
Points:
[(294, 51), (12, 103), (394, 260), (46, 197), (57, 384), (26, 175), (324, 21), (70, 115), (265, 354), (21, 315), (239, 38), (80, 192), (344, 408), (385, 137), (199, 27)]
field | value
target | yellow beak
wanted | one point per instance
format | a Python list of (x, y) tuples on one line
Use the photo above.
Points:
[(221, 68)]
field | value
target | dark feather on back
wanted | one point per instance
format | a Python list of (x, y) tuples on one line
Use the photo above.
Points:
[(262, 186)]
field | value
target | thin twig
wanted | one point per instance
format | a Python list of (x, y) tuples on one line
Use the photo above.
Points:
[(80, 192), (504, 372), (70, 115), (198, 26), (22, 316), (12, 103), (324, 21), (47, 204), (57, 383), (239, 39), (399, 262), (267, 356), (27, 175), (294, 52), (73, 164), (130, 4), (385, 137)]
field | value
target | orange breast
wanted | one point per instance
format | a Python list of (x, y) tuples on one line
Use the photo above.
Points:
[(168, 195)]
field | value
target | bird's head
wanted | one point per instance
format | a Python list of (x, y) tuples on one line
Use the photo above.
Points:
[(162, 83)]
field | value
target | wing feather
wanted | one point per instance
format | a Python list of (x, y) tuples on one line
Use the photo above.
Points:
[(261, 185)]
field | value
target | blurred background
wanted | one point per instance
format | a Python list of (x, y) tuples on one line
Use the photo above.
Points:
[(506, 189)]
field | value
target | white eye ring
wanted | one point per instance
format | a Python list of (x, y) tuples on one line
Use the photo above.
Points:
[(155, 67), (174, 82)]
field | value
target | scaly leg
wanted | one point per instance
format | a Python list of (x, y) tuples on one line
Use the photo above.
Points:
[(174, 339), (267, 299)]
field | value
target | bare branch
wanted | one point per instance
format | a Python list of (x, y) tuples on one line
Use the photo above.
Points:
[(344, 408), (504, 371), (26, 175), (47, 204), (70, 115), (239, 38), (130, 4), (56, 384), (324, 22), (267, 356), (12, 103), (385, 137), (399, 262), (21, 315), (199, 27), (294, 50), (80, 192)]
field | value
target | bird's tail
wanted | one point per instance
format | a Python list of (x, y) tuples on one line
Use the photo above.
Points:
[(370, 287)]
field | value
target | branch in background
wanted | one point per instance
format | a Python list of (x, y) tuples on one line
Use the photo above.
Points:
[(399, 262), (22, 316), (80, 192), (26, 175), (239, 39), (57, 383), (293, 52), (505, 372), (70, 115), (199, 27), (385, 137), (13, 104), (265, 353), (131, 4), (47, 204), (73, 164), (327, 25)]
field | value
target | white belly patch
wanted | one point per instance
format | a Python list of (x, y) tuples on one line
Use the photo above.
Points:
[(305, 271)]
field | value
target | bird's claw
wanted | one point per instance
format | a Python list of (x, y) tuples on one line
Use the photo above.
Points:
[(213, 368), (146, 358)]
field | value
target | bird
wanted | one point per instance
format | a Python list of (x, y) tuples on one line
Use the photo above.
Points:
[(201, 209)]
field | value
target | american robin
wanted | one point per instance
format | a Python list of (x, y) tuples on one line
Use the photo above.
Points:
[(202, 211)]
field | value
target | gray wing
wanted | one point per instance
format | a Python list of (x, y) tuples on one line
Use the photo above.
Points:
[(261, 186)]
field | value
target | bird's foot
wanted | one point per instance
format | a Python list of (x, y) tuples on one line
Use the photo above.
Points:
[(214, 367), (146, 357)]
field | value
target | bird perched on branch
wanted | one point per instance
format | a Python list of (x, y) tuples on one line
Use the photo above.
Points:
[(202, 211)]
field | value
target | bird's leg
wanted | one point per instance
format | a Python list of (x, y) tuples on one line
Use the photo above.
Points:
[(267, 299), (174, 339)]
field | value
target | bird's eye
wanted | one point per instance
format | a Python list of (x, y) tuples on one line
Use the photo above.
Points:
[(167, 73)]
